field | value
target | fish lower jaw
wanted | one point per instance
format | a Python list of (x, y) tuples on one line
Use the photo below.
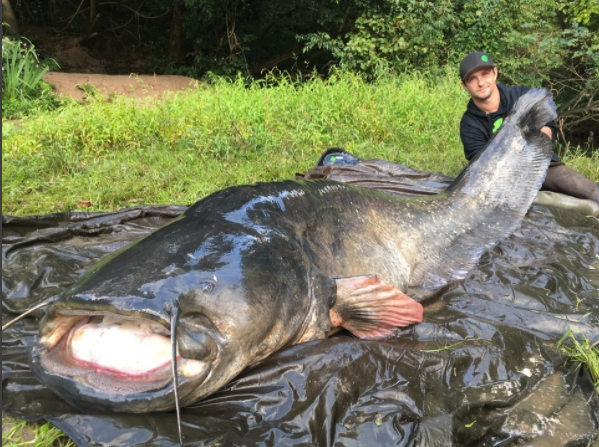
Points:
[(121, 357), (185, 368), (97, 388)]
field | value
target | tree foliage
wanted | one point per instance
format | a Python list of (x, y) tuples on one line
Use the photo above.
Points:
[(535, 42), (554, 43)]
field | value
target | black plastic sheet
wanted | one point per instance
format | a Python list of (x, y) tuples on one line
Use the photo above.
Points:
[(482, 369)]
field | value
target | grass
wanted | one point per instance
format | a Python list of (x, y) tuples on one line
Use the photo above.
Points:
[(16, 433), (582, 161), (583, 352), (180, 149), (120, 152)]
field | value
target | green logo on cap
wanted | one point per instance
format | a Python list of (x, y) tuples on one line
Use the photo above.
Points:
[(485, 58)]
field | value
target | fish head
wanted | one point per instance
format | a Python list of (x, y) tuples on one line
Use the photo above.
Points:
[(106, 344)]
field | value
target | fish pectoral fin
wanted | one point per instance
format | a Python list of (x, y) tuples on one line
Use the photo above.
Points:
[(369, 308)]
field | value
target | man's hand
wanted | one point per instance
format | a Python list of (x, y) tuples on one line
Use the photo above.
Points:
[(547, 131)]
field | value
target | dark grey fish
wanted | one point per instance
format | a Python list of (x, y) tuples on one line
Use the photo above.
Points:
[(251, 269)]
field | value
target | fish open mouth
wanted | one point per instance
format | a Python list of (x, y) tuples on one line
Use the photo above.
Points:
[(114, 354)]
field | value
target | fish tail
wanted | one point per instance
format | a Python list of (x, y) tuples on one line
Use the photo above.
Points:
[(513, 165), (531, 112), (489, 199)]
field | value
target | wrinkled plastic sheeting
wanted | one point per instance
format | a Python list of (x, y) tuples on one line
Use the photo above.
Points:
[(41, 255), (383, 176), (482, 369)]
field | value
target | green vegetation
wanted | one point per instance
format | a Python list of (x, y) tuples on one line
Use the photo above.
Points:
[(582, 352), (581, 161), (121, 152), (186, 146), (549, 43), (553, 43), (23, 91), (16, 433)]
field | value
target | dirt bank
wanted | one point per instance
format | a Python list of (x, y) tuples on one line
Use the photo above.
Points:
[(140, 86)]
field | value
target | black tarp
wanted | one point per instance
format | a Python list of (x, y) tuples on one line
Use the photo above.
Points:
[(481, 370)]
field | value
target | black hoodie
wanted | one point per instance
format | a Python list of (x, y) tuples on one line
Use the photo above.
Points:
[(477, 127)]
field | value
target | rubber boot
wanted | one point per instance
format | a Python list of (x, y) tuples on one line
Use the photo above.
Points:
[(564, 180), (584, 206)]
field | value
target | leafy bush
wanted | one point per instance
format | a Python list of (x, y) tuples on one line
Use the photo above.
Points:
[(23, 90), (552, 43), (397, 35)]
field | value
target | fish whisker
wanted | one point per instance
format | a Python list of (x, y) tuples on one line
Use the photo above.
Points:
[(24, 314), (174, 321)]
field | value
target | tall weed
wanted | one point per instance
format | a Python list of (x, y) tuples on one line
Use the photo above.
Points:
[(582, 352), (22, 85)]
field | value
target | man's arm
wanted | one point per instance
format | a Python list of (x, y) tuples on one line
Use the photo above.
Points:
[(551, 131)]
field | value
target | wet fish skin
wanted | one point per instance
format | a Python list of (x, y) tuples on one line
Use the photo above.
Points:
[(244, 292), (255, 268)]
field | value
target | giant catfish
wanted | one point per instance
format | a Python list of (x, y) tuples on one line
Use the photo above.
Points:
[(248, 270)]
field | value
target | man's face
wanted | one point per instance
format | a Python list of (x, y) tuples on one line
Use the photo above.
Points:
[(481, 83)]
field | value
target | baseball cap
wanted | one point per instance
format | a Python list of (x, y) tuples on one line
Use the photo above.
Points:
[(474, 60)]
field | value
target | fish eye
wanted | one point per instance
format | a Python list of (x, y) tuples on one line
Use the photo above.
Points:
[(207, 286)]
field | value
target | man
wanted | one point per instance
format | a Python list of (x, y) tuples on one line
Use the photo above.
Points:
[(490, 103)]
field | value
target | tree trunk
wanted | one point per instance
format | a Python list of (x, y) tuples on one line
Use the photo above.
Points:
[(8, 17), (93, 19), (177, 36)]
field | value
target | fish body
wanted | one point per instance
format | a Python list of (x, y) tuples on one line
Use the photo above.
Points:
[(251, 269)]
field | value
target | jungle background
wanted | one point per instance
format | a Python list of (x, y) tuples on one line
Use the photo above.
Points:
[(552, 43)]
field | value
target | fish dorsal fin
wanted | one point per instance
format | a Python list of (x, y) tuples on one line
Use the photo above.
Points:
[(489, 199), (371, 309)]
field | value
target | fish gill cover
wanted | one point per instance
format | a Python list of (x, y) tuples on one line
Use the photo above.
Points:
[(482, 369)]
